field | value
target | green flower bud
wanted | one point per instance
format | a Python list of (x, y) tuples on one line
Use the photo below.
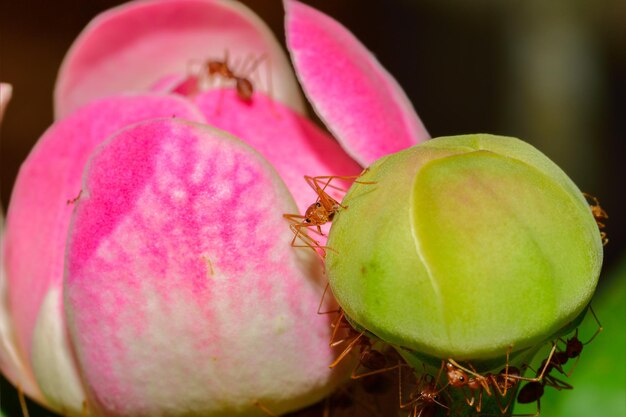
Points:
[(463, 247)]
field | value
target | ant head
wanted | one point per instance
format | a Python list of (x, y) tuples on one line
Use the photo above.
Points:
[(456, 376), (574, 347), (310, 212)]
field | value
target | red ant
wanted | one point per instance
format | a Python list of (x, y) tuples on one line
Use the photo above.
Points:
[(243, 84), (373, 360), (599, 215), (372, 382), (75, 199), (459, 377), (533, 391), (573, 349), (477, 384), (426, 396), (319, 213)]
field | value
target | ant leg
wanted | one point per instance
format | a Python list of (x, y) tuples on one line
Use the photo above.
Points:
[(270, 84), (506, 372), (265, 409), (356, 375), (297, 219), (504, 409), (531, 415), (401, 404), (328, 202), (603, 237), (241, 69), (480, 401), (326, 412), (484, 383), (254, 64), (308, 240), (508, 383), (319, 307), (347, 350), (469, 400), (539, 377), (22, 400), (83, 411), (194, 70), (598, 330), (309, 227), (556, 383), (335, 325), (354, 178), (75, 199)]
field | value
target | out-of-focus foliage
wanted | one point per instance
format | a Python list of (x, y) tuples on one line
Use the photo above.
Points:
[(599, 378)]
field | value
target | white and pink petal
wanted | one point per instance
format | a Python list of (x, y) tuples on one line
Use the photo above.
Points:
[(182, 291), (40, 209)]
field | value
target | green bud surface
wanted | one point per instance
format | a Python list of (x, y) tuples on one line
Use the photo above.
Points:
[(464, 246)]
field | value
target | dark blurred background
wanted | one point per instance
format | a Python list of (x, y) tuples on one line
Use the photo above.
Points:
[(551, 72)]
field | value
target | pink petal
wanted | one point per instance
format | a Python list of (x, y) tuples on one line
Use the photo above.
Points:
[(130, 47), (289, 141), (39, 213), (6, 91), (182, 291), (12, 364), (360, 102)]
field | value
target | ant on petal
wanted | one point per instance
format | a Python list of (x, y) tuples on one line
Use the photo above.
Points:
[(322, 211), (243, 83), (201, 74)]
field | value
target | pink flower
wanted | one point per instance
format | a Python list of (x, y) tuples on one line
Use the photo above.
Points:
[(147, 266)]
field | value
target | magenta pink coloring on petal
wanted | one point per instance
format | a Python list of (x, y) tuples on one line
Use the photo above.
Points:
[(360, 102), (181, 285), (289, 141), (40, 208), (130, 47)]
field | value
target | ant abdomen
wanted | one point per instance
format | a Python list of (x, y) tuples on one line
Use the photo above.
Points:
[(530, 392)]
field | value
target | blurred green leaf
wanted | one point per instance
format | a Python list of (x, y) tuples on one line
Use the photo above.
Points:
[(599, 378)]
